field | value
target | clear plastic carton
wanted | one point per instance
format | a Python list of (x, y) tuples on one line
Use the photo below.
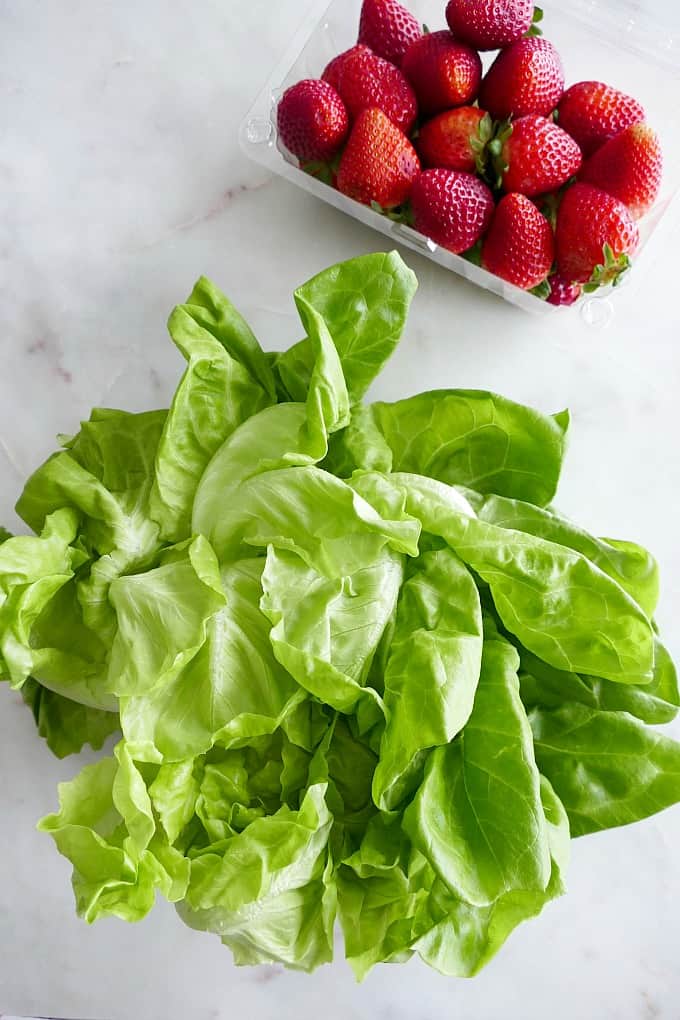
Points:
[(622, 42)]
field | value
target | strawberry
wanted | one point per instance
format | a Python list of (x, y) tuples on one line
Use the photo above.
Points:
[(595, 237), (312, 120), (364, 80), (388, 28), (379, 163), (629, 167), (520, 246), (452, 208), (489, 24), (525, 78), (562, 292), (593, 112), (443, 72), (534, 156), (455, 139)]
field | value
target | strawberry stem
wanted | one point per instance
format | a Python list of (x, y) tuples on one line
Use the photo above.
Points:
[(535, 22), (542, 291), (610, 271)]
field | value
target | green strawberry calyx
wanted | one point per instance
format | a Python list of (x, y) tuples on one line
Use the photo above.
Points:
[(400, 213), (324, 171), (543, 290), (610, 271), (480, 142), (535, 28), (496, 154)]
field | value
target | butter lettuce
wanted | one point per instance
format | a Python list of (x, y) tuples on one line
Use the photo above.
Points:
[(359, 667)]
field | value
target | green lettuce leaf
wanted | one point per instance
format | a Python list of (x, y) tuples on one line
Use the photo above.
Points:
[(431, 671), (308, 512), (325, 631), (286, 435), (475, 439), (268, 895), (66, 725), (606, 767), (560, 605), (207, 702), (174, 794), (365, 303), (654, 703), (33, 570), (227, 380), (477, 817), (105, 474), (465, 938), (162, 617), (631, 566), (106, 828), (382, 887)]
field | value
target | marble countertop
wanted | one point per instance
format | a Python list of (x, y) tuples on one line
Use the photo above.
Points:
[(121, 181)]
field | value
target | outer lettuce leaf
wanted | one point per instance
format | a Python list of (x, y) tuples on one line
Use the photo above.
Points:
[(162, 617), (431, 672), (606, 768), (654, 703), (325, 632), (66, 656), (211, 310), (106, 828), (106, 475), (227, 380), (33, 570), (477, 817), (287, 435), (365, 303), (466, 938), (391, 903), (476, 439), (207, 702), (631, 566), (268, 894), (66, 725), (560, 605)]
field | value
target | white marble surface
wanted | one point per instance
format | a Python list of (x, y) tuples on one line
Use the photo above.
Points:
[(120, 182)]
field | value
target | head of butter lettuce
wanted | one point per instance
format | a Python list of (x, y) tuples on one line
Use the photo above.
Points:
[(359, 666)]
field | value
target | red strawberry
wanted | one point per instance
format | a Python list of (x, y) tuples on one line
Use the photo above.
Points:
[(455, 139), (379, 163), (388, 28), (525, 78), (562, 292), (453, 209), (629, 167), (520, 246), (535, 156), (443, 72), (489, 24), (312, 120), (593, 112), (595, 236), (365, 80)]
